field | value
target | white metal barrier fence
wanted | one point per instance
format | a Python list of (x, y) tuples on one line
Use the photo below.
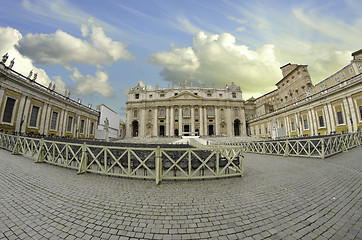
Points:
[(318, 147), (146, 163)]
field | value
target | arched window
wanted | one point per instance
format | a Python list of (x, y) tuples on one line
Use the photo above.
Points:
[(209, 112), (176, 112), (196, 112), (135, 113), (162, 112), (186, 112)]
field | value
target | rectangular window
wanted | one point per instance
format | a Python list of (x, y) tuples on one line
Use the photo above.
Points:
[(69, 124), (162, 95), (92, 128), (234, 95), (259, 130), (340, 117), (305, 124), (209, 94), (53, 121), (266, 130), (293, 126), (81, 129), (9, 108), (236, 112), (137, 96), (351, 69), (321, 121), (34, 116), (360, 112)]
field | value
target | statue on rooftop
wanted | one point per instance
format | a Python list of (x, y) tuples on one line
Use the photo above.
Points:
[(5, 58), (53, 88), (35, 76), (106, 125), (50, 85), (30, 74), (12, 63)]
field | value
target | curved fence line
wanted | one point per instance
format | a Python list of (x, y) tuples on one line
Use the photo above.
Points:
[(317, 147), (146, 163)]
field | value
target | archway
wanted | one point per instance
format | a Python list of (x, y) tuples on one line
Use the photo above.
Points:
[(237, 127), (176, 132), (135, 128), (197, 132)]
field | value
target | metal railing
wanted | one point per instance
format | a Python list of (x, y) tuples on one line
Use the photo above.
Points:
[(146, 163), (318, 147)]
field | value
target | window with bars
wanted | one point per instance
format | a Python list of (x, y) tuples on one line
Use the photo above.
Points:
[(305, 123), (69, 124), (92, 128), (340, 119), (293, 126), (81, 128), (53, 121), (321, 121), (8, 111), (34, 116)]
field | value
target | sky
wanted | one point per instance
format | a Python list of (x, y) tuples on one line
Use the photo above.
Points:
[(98, 50)]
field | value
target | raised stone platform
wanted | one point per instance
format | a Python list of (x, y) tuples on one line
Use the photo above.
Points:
[(278, 198)]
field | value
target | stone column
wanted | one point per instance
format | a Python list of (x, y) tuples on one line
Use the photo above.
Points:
[(128, 122), (353, 113), (243, 122), (297, 125), (201, 121), (287, 127), (47, 120), (314, 122), (60, 124), (180, 130), (20, 116), (172, 122), (192, 121), (65, 122), (348, 115), (328, 120), (43, 118), (229, 123), (167, 122), (216, 112), (155, 118), (142, 118), (310, 122), (205, 121), (333, 126)]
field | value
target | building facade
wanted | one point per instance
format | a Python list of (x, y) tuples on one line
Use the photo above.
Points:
[(108, 120), (185, 111), (299, 108), (30, 108)]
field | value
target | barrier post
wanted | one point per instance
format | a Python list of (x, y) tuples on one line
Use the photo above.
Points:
[(41, 154), (158, 165), (84, 161)]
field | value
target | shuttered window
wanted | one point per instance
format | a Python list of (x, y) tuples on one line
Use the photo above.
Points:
[(8, 111), (34, 116)]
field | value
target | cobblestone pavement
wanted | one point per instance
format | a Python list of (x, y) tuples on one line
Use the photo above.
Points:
[(278, 198)]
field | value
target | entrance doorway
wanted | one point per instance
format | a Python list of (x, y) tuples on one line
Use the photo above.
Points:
[(176, 132), (135, 129), (162, 131), (237, 127), (186, 130), (197, 132), (211, 130)]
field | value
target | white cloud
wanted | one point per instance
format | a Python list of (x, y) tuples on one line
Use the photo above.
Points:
[(9, 38), (88, 84), (219, 59), (63, 48)]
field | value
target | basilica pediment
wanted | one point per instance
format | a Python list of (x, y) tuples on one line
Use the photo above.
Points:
[(186, 96)]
